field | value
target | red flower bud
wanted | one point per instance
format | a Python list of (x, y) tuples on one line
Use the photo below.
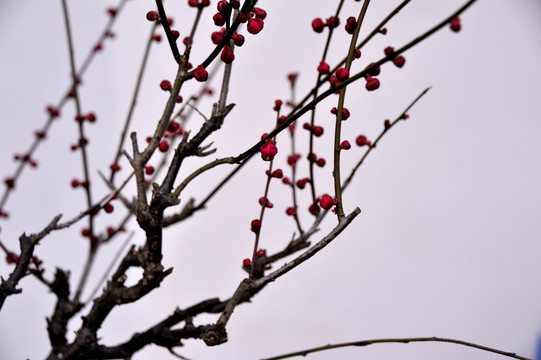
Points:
[(374, 71), (259, 13), (342, 74), (387, 124), (149, 169), (219, 19), (227, 55), (388, 50), (238, 39), (345, 145), (255, 25), (327, 202), (454, 24), (318, 25), (278, 173), (53, 111), (351, 22), (263, 201), (200, 74), (115, 167), (255, 226), (301, 183), (216, 36), (108, 208), (165, 85), (323, 68), (361, 140), (317, 130), (371, 83), (399, 61), (268, 150), (152, 16), (277, 104), (163, 146), (291, 211)]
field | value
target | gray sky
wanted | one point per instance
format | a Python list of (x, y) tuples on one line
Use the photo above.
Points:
[(448, 239)]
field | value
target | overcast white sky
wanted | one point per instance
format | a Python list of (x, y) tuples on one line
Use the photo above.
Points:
[(448, 240)]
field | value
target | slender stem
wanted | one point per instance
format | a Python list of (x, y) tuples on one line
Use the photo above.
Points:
[(397, 340), (134, 99), (338, 122), (385, 130)]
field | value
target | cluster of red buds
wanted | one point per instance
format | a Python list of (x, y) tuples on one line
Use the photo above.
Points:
[(399, 60), (319, 25)]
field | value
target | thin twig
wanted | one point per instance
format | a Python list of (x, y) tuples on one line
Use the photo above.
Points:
[(397, 340)]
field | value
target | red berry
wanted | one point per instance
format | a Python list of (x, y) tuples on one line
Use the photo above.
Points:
[(318, 25), (111, 11), (75, 183), (357, 54), (175, 34), (164, 146), (388, 50), (291, 211), (383, 31), (115, 167), (157, 37), (387, 124), (152, 16), (179, 99), (246, 263), (200, 74), (255, 25), (260, 253), (165, 85), (193, 3), (98, 47)]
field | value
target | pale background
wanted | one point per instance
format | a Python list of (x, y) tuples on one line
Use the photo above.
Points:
[(448, 241)]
